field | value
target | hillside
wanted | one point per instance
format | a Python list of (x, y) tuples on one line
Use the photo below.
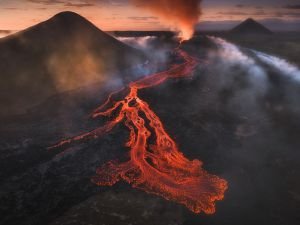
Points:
[(60, 54), (250, 27)]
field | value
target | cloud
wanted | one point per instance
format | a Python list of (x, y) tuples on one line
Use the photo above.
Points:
[(248, 6), (240, 6), (292, 6), (47, 2), (79, 5), (261, 13), (237, 13), (12, 8), (287, 14), (142, 18), (233, 13)]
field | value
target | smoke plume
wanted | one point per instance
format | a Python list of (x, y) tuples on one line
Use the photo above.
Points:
[(238, 74), (281, 65), (181, 15), (137, 42), (157, 50)]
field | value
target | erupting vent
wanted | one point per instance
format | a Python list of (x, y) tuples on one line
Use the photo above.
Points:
[(160, 168)]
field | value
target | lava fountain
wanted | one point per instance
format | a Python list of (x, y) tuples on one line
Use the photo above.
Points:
[(158, 168)]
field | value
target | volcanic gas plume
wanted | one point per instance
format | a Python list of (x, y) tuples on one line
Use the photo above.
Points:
[(179, 14), (158, 168)]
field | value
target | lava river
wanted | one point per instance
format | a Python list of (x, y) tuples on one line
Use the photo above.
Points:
[(158, 168)]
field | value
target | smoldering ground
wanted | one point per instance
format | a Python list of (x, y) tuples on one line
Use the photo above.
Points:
[(257, 101), (239, 116), (236, 115)]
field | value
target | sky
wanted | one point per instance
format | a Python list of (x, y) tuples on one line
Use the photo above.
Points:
[(111, 15)]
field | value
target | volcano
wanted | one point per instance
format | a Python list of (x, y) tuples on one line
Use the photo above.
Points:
[(160, 149), (60, 54), (250, 27)]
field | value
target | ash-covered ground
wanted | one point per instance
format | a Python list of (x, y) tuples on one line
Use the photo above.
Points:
[(239, 115)]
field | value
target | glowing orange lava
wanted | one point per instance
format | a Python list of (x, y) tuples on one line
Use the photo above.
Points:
[(158, 168)]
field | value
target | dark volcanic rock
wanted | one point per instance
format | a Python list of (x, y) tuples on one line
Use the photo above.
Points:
[(122, 208), (245, 135)]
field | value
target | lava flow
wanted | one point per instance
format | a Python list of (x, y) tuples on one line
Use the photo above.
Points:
[(158, 168)]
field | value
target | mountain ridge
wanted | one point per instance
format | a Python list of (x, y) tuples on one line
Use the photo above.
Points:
[(60, 54), (251, 27)]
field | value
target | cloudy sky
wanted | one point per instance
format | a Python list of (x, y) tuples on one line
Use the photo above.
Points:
[(122, 15)]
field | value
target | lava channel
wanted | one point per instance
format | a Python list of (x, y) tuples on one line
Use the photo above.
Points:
[(158, 168)]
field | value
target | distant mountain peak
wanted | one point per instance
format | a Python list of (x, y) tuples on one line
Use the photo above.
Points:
[(64, 26), (250, 20), (69, 18), (68, 15), (251, 26)]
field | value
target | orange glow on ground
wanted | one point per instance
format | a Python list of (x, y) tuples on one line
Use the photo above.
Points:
[(158, 168)]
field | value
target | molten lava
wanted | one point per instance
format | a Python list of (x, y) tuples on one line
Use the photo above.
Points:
[(158, 168)]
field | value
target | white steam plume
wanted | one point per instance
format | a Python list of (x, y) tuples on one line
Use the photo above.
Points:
[(137, 42), (231, 55), (281, 65)]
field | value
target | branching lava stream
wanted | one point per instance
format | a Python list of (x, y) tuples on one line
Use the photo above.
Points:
[(160, 168)]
